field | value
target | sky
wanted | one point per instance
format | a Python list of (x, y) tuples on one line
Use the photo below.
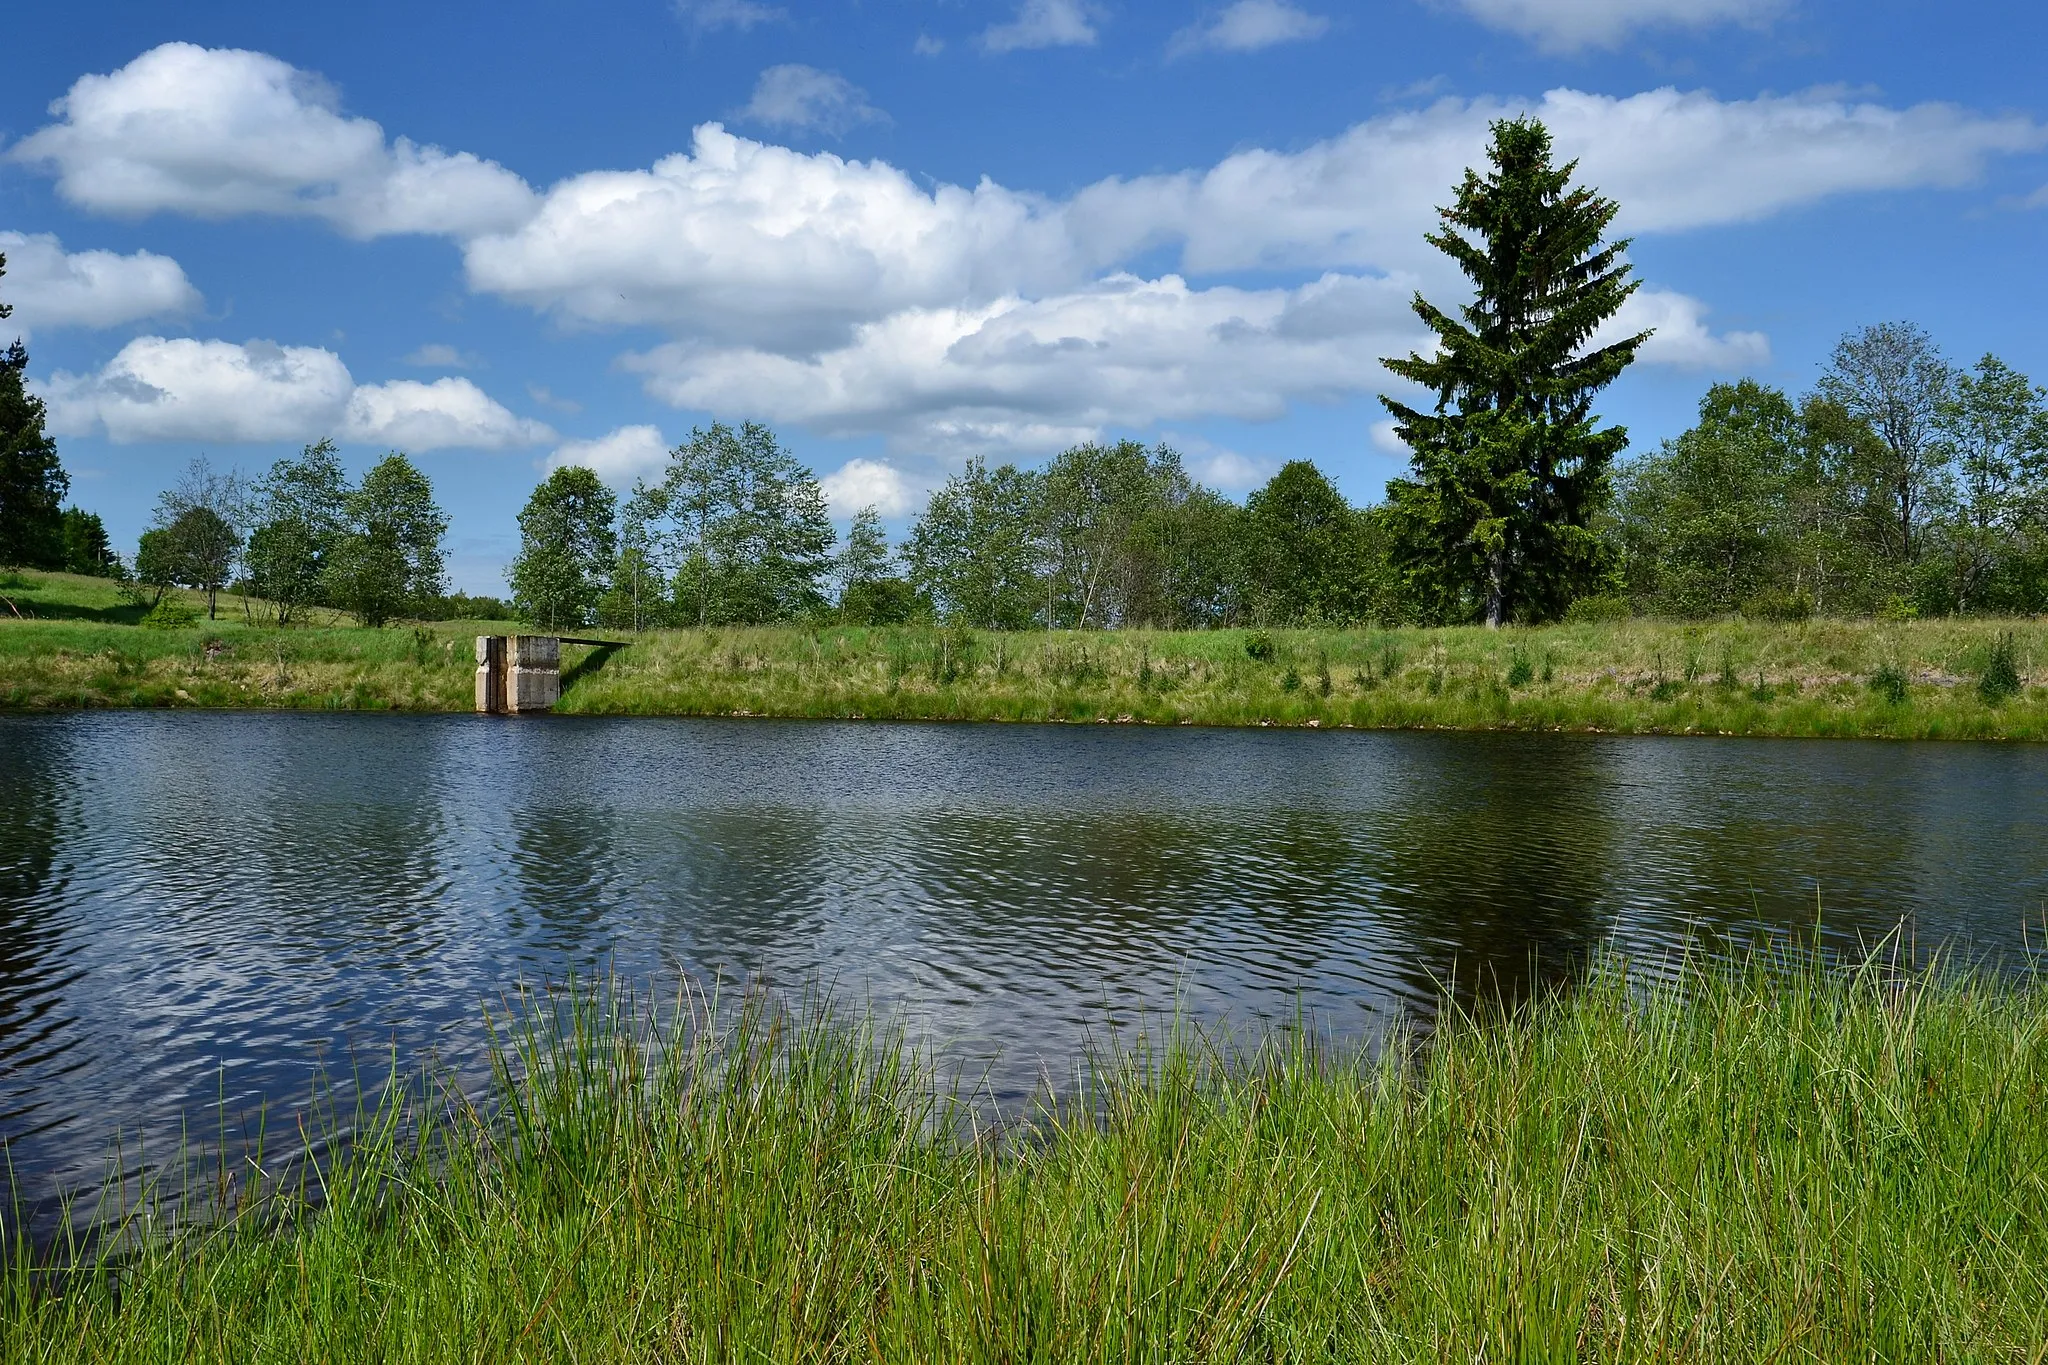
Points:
[(504, 237)]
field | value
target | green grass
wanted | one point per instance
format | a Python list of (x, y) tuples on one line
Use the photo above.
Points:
[(1772, 1161), (1917, 679)]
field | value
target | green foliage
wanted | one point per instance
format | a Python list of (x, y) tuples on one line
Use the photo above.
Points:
[(2000, 681), (86, 548), (1598, 607), (1258, 647), (388, 561), (566, 548), (1510, 468), (32, 480), (1657, 1165), (1775, 605), (1310, 557), (1889, 682), (299, 515), (742, 525), (976, 552), (1521, 672), (199, 523), (170, 614)]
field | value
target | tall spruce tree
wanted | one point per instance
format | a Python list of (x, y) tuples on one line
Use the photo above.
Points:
[(32, 482), (1510, 467)]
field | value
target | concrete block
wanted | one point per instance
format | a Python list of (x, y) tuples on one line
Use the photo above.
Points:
[(532, 689)]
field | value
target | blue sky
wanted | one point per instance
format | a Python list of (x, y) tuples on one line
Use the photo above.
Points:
[(499, 236)]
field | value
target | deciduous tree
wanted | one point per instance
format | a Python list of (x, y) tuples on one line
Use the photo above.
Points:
[(566, 548)]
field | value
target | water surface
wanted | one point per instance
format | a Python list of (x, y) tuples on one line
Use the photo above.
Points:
[(200, 911)]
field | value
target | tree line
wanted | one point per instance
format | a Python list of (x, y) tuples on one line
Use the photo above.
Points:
[(1901, 484)]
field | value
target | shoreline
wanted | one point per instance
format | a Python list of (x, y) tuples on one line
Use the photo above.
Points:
[(1606, 1172), (1820, 679)]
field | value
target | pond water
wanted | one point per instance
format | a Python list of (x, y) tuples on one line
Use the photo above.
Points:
[(202, 913)]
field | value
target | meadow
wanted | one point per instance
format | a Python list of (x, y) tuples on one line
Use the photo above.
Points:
[(1771, 1160), (78, 645)]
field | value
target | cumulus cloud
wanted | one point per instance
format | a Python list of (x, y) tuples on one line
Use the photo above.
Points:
[(870, 483), (1019, 374), (1043, 23), (407, 414), (181, 389), (1674, 160), (618, 457), (708, 16), (1569, 25), (1249, 26), (850, 296), (802, 97), (1027, 375), (744, 240), (738, 240), (1681, 338), (50, 287), (215, 132)]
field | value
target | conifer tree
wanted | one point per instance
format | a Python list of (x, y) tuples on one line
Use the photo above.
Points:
[(1510, 467), (32, 482)]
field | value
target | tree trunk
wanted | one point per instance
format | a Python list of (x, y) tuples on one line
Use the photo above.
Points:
[(1496, 589)]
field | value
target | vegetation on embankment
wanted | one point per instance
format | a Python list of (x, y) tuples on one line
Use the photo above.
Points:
[(1918, 679), (1770, 1161)]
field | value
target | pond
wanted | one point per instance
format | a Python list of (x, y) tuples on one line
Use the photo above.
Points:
[(203, 914)]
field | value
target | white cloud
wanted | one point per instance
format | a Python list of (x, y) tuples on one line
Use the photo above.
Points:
[(1249, 26), (216, 132), (407, 414), (708, 16), (181, 389), (436, 355), (796, 96), (760, 243), (1569, 25), (1386, 438), (928, 46), (1673, 160), (50, 287), (1219, 467), (870, 483), (1027, 375), (618, 457), (1681, 338), (1043, 23)]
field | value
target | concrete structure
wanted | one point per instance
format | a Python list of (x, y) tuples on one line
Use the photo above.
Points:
[(518, 673)]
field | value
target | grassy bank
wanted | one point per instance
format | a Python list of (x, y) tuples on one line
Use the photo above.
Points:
[(1918, 679), (1761, 1163)]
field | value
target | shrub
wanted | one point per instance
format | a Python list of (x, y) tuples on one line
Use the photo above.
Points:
[(1778, 606), (169, 615), (1520, 671), (2001, 678), (1889, 682), (1259, 646), (1592, 610)]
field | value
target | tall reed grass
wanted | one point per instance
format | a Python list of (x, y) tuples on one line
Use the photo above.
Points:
[(1776, 1160)]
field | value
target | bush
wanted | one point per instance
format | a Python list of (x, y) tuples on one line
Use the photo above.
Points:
[(1520, 671), (1889, 682), (1259, 646), (1778, 606), (2001, 679), (169, 615), (1592, 610)]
